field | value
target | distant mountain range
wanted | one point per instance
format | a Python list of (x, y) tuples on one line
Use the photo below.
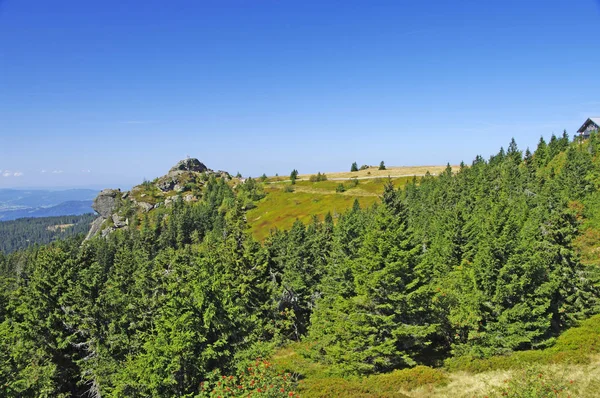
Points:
[(15, 203)]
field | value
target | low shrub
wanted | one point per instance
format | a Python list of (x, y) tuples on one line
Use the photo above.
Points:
[(288, 188), (408, 379), (383, 385), (585, 337), (257, 380), (340, 188), (318, 177), (333, 387)]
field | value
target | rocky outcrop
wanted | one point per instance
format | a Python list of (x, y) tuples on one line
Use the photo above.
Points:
[(107, 231), (106, 202), (171, 200), (105, 205), (95, 228), (166, 183), (183, 182), (145, 206), (118, 221), (186, 171), (189, 164)]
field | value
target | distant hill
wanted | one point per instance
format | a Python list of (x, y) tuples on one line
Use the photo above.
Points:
[(25, 232), (13, 199), (17, 203), (74, 207)]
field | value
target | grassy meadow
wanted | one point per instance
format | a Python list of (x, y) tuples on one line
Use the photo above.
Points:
[(284, 203), (373, 171), (281, 208)]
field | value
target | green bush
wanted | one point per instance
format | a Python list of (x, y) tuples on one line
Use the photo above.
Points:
[(340, 188), (333, 387), (318, 177), (408, 379), (288, 188), (384, 385)]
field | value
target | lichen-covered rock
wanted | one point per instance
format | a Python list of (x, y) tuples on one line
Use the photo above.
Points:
[(189, 198), (145, 206), (178, 188), (222, 174), (169, 201), (166, 183), (119, 221)]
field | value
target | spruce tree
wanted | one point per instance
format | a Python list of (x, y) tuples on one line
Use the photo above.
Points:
[(294, 176)]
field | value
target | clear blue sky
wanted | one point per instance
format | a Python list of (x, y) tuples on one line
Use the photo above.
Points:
[(108, 92)]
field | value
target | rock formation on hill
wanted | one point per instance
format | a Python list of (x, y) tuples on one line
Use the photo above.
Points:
[(189, 164), (184, 181), (105, 202), (104, 205)]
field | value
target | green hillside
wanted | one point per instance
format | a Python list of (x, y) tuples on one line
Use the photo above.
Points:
[(481, 280), (286, 203)]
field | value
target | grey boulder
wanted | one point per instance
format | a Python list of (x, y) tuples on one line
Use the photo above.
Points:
[(105, 202)]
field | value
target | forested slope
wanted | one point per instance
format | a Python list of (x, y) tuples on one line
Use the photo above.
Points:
[(24, 232), (477, 262)]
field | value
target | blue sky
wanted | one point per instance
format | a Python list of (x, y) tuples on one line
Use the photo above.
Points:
[(107, 93)]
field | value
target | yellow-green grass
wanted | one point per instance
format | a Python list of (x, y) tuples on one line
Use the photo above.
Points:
[(395, 171), (389, 171), (280, 209), (579, 380)]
